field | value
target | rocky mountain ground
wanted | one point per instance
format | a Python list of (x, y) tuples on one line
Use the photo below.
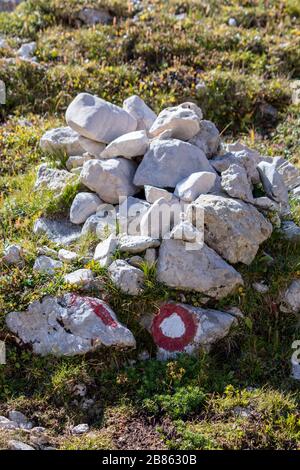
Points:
[(104, 385)]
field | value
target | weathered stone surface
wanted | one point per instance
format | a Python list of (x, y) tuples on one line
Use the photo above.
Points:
[(245, 158), (127, 278), (27, 50), (290, 231), (235, 183), (186, 231), (266, 203), (91, 146), (131, 211), (138, 109), (83, 206), (274, 185), (92, 16), (6, 423), (69, 325), (182, 120), (291, 298), (53, 179), (19, 418), (260, 287), (80, 429), (233, 228), (75, 162), (105, 250), (169, 161), (290, 174), (62, 139), (160, 218), (46, 265), (110, 179), (208, 138), (67, 256), (61, 232), (198, 183), (150, 256), (128, 146), (137, 244), (182, 328), (98, 119), (79, 278), (201, 270), (152, 194), (13, 255), (18, 445)]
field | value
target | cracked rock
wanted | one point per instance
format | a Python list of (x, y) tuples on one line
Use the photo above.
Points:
[(127, 278), (62, 139), (200, 269), (233, 228), (69, 325)]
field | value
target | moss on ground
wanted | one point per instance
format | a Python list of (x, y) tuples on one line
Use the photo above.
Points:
[(241, 395)]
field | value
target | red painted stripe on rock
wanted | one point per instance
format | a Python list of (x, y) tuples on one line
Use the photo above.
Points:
[(174, 344)]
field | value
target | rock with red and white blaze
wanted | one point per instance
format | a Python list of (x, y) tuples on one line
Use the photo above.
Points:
[(69, 325), (181, 328)]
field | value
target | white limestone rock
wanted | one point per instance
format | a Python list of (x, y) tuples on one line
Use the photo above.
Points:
[(167, 162), (61, 232), (53, 179), (152, 194), (201, 270), (289, 172), (233, 228), (181, 328), (182, 120), (128, 146), (127, 278), (105, 250), (91, 146), (46, 265), (111, 179), (160, 218), (236, 184), (274, 186), (13, 255), (27, 50), (77, 161), (138, 109), (69, 325), (208, 138), (62, 140), (79, 278), (67, 256), (131, 212), (137, 244), (98, 119), (186, 231), (83, 206), (291, 298), (198, 183)]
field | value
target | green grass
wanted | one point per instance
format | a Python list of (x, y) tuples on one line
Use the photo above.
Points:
[(240, 396)]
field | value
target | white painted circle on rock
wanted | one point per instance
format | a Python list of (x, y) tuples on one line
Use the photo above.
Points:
[(173, 326)]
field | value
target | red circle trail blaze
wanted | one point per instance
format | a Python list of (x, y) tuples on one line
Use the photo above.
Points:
[(98, 308), (174, 344)]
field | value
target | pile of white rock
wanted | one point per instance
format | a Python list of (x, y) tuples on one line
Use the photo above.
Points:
[(162, 190)]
